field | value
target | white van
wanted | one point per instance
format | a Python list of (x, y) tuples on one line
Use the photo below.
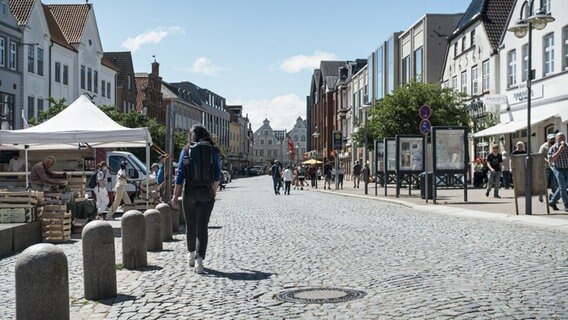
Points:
[(135, 168)]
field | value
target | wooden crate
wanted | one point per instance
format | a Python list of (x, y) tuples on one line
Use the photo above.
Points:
[(76, 184), (55, 225), (21, 197)]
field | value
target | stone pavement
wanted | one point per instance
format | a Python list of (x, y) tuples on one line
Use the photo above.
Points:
[(412, 261)]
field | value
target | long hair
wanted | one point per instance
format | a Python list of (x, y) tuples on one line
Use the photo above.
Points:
[(199, 133)]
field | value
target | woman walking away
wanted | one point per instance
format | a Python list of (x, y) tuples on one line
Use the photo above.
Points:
[(120, 193), (287, 180), (198, 174)]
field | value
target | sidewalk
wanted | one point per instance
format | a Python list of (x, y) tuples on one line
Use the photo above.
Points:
[(451, 201)]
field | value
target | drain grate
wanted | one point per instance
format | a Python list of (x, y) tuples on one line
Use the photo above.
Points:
[(320, 295)]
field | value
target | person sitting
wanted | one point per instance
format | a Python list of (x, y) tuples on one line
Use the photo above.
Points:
[(41, 175)]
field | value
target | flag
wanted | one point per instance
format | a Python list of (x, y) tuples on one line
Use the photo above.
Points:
[(291, 149)]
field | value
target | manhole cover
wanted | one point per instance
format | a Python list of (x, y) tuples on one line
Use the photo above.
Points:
[(320, 295)]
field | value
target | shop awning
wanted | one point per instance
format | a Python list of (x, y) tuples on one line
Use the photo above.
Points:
[(510, 127)]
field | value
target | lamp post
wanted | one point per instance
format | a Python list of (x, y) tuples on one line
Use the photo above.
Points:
[(524, 25), (316, 135), (365, 108)]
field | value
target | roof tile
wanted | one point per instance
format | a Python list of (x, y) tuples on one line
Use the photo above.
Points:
[(71, 19), (21, 10)]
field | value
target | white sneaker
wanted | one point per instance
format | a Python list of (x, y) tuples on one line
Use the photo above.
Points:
[(191, 259), (199, 265)]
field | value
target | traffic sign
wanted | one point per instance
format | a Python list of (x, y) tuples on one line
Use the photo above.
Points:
[(425, 126), (337, 140), (425, 112)]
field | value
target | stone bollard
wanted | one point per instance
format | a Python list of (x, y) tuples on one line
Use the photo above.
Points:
[(175, 219), (99, 272), (166, 221), (133, 227), (153, 230), (42, 283)]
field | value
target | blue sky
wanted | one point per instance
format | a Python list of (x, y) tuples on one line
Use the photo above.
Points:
[(258, 53)]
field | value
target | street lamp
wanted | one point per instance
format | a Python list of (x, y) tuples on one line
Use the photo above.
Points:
[(524, 25), (365, 108), (316, 135)]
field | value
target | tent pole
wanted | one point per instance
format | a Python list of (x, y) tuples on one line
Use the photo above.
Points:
[(27, 167), (147, 174)]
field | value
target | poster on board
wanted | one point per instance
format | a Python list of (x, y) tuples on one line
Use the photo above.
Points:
[(450, 148), (391, 154), (411, 153), (380, 155)]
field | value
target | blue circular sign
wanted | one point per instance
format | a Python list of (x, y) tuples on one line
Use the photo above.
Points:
[(425, 126), (425, 112)]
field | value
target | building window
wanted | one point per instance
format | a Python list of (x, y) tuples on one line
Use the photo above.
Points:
[(89, 79), (82, 77), (108, 90), (96, 81), (275, 153), (565, 48), (39, 106), (546, 6), (455, 82), (455, 49), (269, 153), (3, 8), (472, 38), (103, 85), (511, 68), (418, 54), (548, 56), (2, 52), (65, 74), (261, 141), (525, 55), (31, 113), (31, 58), (464, 82), (485, 73), (269, 141), (7, 109), (261, 153), (265, 132), (406, 69), (474, 80), (57, 72), (40, 61), (463, 44), (13, 55), (129, 83)]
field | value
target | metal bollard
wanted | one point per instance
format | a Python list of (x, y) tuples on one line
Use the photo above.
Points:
[(175, 219), (99, 273), (133, 227), (42, 283), (166, 221), (153, 230)]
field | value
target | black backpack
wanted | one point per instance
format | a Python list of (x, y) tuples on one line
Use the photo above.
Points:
[(198, 165), (93, 180)]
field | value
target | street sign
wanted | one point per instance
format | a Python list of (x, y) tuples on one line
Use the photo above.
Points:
[(337, 140), (425, 112), (425, 126)]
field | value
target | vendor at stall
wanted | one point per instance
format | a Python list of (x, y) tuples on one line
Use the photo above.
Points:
[(40, 175)]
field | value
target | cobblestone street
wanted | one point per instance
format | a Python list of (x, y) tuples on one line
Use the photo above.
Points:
[(411, 264)]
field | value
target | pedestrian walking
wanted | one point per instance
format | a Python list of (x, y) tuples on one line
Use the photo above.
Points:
[(301, 176), (356, 174), (495, 166), (558, 157), (549, 175), (198, 175), (506, 170), (341, 175), (287, 175), (276, 174), (100, 191), (120, 194), (313, 175), (327, 176)]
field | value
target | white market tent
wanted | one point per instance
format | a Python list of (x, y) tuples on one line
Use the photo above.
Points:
[(81, 124)]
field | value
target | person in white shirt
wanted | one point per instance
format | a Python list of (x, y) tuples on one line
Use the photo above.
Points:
[(120, 193), (16, 164), (287, 175), (100, 190)]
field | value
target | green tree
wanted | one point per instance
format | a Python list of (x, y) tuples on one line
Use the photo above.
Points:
[(56, 106), (397, 113)]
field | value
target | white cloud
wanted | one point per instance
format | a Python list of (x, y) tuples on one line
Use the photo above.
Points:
[(151, 36), (300, 62), (205, 66), (282, 111)]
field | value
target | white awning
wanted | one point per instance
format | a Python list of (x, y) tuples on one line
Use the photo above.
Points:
[(510, 127)]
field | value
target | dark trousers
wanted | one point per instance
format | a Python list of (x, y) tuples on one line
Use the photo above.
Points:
[(287, 187), (341, 181), (197, 216), (276, 182)]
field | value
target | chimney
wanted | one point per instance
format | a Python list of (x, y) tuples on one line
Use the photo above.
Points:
[(156, 68)]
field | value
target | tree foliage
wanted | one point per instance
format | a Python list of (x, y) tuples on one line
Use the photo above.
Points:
[(397, 113)]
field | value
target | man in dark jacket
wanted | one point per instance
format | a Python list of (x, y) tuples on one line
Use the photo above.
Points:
[(276, 172)]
